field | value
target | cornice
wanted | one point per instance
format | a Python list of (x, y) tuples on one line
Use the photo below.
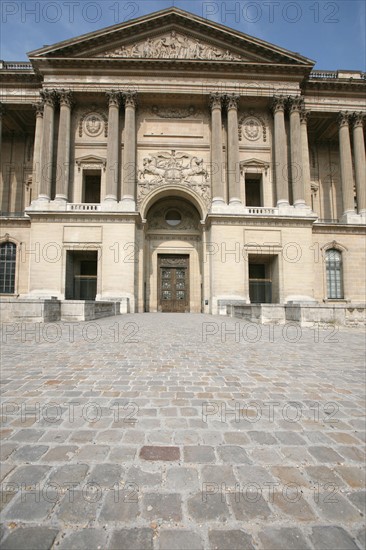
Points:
[(346, 229), (77, 217)]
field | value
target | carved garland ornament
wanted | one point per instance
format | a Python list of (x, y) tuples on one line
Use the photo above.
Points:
[(173, 46), (171, 167), (174, 112)]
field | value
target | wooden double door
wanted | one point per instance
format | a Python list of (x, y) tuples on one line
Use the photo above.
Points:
[(173, 283)]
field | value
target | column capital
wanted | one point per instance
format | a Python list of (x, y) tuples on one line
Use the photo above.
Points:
[(114, 98), (295, 104), (343, 118), (216, 100), (278, 103), (304, 116), (39, 108), (130, 98), (49, 97), (65, 97), (358, 119), (232, 101)]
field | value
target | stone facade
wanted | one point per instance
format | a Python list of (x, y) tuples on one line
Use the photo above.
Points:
[(179, 169)]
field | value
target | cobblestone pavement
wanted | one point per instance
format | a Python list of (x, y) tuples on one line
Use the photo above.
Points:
[(168, 431)]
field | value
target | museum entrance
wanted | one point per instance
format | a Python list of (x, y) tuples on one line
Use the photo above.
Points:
[(173, 283)]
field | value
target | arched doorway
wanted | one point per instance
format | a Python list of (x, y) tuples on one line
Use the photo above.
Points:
[(172, 257)]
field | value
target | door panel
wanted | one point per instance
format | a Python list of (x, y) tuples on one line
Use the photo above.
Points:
[(173, 283)]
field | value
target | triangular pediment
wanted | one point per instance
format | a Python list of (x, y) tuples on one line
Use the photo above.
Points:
[(170, 34)]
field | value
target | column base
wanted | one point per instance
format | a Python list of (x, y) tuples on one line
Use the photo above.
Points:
[(128, 204), (61, 198), (351, 217)]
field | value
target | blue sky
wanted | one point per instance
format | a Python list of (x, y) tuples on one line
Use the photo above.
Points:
[(331, 33)]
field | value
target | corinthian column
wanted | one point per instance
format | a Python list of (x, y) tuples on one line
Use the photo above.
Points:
[(112, 146), (296, 104), (233, 149), (216, 149), (38, 135), (304, 115), (360, 164), (49, 98), (346, 164), (129, 149), (280, 151), (63, 146)]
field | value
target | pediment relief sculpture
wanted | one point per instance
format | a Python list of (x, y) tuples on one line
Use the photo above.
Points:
[(173, 45), (173, 168)]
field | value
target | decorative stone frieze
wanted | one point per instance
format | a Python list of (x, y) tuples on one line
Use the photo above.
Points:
[(174, 112)]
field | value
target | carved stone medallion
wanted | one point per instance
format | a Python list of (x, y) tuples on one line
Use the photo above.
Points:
[(93, 124)]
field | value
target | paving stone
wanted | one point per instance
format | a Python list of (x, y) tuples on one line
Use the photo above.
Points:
[(29, 453), (199, 453), (31, 506), (142, 477), (168, 507), (121, 505), (263, 438), (106, 475), (361, 538), (28, 476), (79, 506), (7, 493), (93, 453), (6, 449), (160, 453), (253, 474), (182, 479), (290, 438), (332, 538), (249, 503), (62, 453), (323, 475), (174, 539), (236, 438), (358, 499), (132, 539), (333, 506), (27, 435), (122, 453), (355, 476), (87, 539), (234, 539), (292, 503), (5, 470), (325, 454), (26, 538), (71, 473), (211, 508), (290, 475), (218, 474), (279, 538), (233, 454)]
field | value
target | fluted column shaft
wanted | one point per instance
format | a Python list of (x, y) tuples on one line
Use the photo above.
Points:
[(233, 150), (112, 146), (38, 136), (360, 163), (346, 163), (63, 146), (46, 167), (304, 115), (216, 149), (298, 195), (129, 149), (280, 150)]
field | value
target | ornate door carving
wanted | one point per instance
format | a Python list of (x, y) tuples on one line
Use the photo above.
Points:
[(173, 281)]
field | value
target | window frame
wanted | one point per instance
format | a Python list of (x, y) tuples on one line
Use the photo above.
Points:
[(13, 243)]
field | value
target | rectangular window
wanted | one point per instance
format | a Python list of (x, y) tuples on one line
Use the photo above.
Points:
[(253, 191), (91, 186)]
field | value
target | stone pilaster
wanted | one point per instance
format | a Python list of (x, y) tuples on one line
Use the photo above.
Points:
[(346, 164), (358, 120), (113, 146), (233, 170), (129, 149), (2, 111), (46, 167), (295, 106), (216, 149), (38, 136), (63, 146), (304, 115), (280, 150)]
